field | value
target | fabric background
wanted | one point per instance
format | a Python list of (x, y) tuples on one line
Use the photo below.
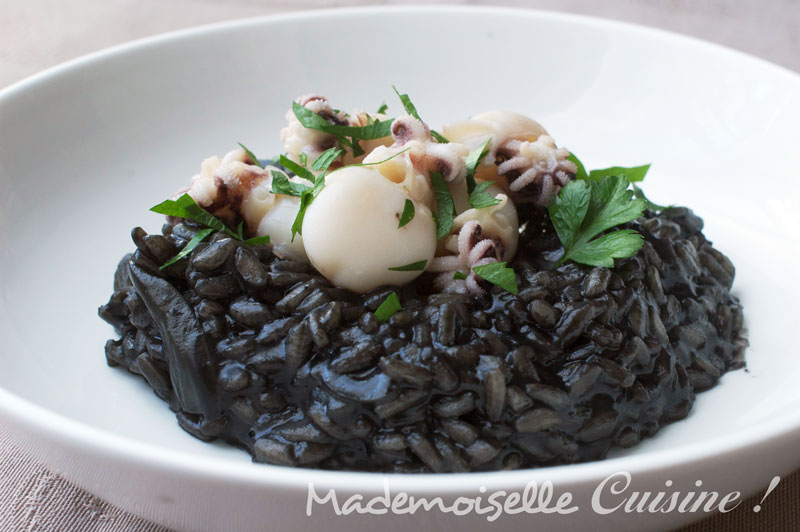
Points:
[(37, 34)]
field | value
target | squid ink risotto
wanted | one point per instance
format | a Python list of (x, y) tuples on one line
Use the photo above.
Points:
[(386, 297)]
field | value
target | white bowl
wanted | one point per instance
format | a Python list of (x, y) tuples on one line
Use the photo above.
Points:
[(88, 147)]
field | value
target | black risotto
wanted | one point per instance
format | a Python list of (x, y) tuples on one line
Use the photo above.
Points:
[(265, 354)]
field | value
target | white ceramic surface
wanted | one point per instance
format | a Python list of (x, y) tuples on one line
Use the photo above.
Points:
[(87, 147)]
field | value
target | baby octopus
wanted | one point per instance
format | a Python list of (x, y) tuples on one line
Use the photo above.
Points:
[(298, 139), (522, 156), (233, 188)]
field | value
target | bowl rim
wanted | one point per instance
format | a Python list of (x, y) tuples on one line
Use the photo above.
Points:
[(77, 434)]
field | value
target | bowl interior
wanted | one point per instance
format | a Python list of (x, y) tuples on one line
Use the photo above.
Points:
[(85, 150)]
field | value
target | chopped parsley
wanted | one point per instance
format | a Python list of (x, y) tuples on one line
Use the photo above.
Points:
[(634, 174), (251, 156), (296, 169), (412, 110), (189, 247), (306, 197), (581, 174), (382, 109), (325, 159), (389, 307), (413, 267), (408, 213), (347, 136), (473, 160), (257, 240), (186, 207), (445, 206), (282, 185), (459, 276), (308, 194), (498, 274), (480, 199)]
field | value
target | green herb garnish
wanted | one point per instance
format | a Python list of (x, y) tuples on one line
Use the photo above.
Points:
[(408, 213), (251, 156), (303, 159), (473, 160), (345, 135), (412, 110), (499, 274), (382, 109), (413, 267), (296, 169), (306, 197), (480, 199), (257, 240), (308, 194), (282, 185), (388, 308), (581, 174), (634, 174), (186, 207), (376, 162), (325, 159), (198, 237), (445, 206), (459, 276), (585, 209)]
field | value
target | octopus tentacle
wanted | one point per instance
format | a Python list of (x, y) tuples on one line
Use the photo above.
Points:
[(536, 171), (474, 249)]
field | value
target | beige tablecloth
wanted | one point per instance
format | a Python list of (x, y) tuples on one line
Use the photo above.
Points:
[(36, 34)]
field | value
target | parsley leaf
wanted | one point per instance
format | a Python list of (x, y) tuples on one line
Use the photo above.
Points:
[(257, 240), (408, 213), (413, 267), (585, 209), (639, 193), (325, 159), (186, 207), (603, 250), (480, 199), (251, 156), (382, 109), (303, 159), (376, 162), (306, 197), (473, 160), (296, 169), (445, 211), (459, 276), (499, 274), (412, 110), (308, 194), (634, 174), (345, 135), (388, 308), (407, 104), (282, 185), (581, 173), (198, 237)]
